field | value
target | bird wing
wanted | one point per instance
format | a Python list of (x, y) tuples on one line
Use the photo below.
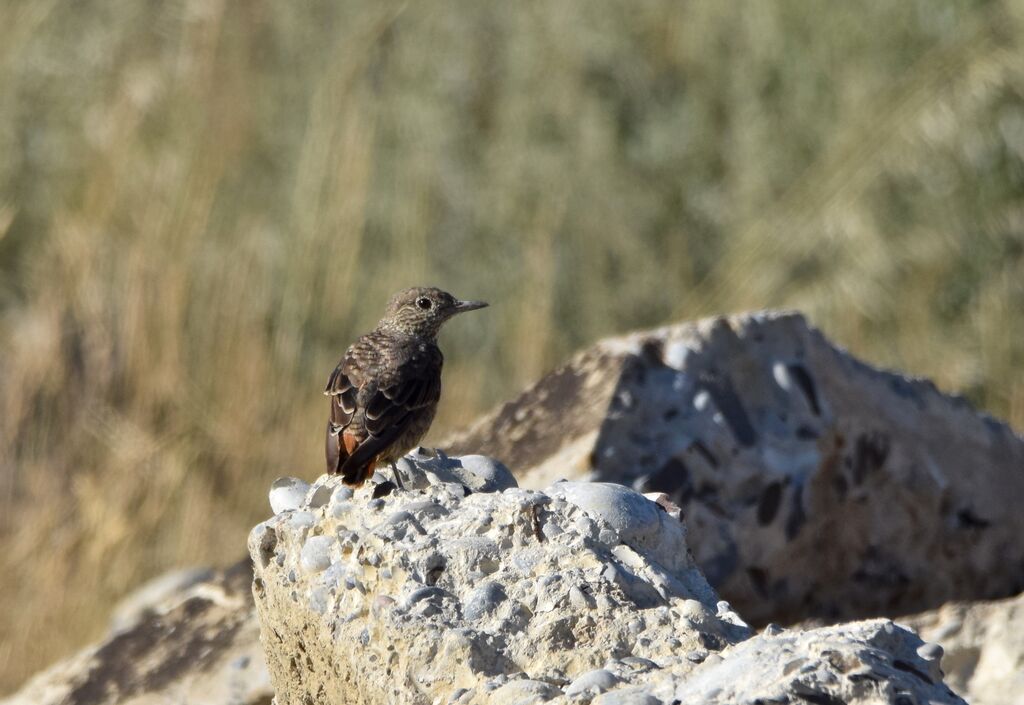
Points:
[(343, 406), (369, 412)]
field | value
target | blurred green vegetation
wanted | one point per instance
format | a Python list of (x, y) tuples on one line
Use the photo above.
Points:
[(203, 201)]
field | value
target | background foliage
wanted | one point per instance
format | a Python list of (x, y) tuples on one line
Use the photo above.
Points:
[(203, 201)]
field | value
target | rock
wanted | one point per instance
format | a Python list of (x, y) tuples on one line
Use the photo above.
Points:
[(197, 645), (493, 473), (479, 592), (147, 599), (523, 692), (316, 553), (862, 662), (858, 663), (318, 496), (813, 485), (287, 493), (474, 603), (627, 698), (594, 682), (465, 588), (300, 521), (982, 648), (635, 518), (477, 473), (484, 601)]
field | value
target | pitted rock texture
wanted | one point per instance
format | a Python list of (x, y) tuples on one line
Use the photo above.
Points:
[(478, 473), (984, 648), (420, 594), (873, 662), (583, 593), (189, 638), (812, 484)]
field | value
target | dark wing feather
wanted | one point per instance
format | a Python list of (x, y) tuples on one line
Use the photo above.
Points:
[(344, 398), (390, 411), (401, 394), (373, 405), (342, 387)]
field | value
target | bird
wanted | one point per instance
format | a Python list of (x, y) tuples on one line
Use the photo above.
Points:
[(385, 390)]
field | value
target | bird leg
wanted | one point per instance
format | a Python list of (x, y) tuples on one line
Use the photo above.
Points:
[(395, 474)]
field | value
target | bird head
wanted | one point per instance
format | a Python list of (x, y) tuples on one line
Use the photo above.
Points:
[(421, 311)]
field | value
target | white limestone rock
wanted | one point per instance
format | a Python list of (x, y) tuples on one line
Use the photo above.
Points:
[(873, 662), (288, 493), (433, 590), (478, 473), (582, 593)]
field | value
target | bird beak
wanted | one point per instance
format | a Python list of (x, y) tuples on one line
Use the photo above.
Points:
[(462, 306)]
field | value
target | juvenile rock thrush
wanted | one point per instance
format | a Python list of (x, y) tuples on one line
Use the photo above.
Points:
[(385, 390)]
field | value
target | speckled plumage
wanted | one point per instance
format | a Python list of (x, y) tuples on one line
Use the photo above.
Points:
[(384, 391)]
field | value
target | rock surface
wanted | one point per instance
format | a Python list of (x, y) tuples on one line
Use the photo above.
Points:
[(984, 647), (414, 595), (862, 662), (177, 640), (585, 592), (851, 490), (811, 484)]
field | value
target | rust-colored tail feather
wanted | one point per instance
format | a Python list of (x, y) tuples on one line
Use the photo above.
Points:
[(354, 470)]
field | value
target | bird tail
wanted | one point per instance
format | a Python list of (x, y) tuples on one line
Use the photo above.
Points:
[(346, 456), (356, 476), (355, 462)]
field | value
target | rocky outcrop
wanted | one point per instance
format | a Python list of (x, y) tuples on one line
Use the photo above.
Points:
[(984, 645), (812, 484), (189, 638), (583, 592), (419, 594)]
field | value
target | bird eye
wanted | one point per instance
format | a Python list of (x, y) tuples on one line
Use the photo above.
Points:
[(424, 303)]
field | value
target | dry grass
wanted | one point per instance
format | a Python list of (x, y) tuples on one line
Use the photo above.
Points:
[(202, 201)]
